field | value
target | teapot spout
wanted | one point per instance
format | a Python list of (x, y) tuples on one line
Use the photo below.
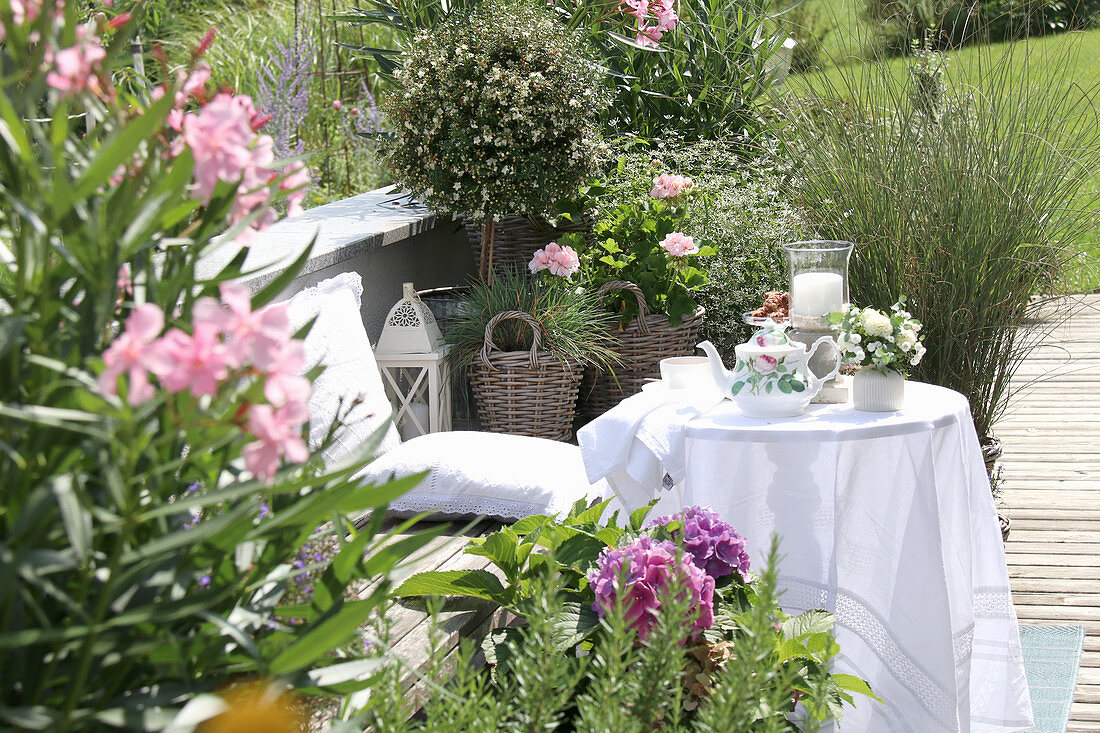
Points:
[(722, 377)]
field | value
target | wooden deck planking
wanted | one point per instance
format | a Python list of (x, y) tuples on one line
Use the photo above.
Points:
[(1051, 434)]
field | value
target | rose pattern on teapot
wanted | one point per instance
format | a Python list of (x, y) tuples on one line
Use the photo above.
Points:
[(763, 373)]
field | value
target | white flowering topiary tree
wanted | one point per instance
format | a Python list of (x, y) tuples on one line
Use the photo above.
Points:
[(496, 113)]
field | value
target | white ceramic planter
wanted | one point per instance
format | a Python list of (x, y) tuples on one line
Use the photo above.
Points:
[(876, 391)]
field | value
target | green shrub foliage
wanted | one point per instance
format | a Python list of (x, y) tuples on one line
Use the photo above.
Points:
[(743, 213), (495, 113), (566, 669)]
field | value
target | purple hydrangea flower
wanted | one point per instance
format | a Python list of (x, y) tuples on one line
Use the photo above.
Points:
[(711, 541), (647, 566)]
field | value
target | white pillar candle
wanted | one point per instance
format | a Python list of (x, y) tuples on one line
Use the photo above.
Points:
[(419, 412), (816, 294)]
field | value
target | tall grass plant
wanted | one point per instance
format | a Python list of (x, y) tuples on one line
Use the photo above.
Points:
[(973, 207)]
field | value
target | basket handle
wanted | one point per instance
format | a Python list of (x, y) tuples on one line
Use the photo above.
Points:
[(536, 336), (643, 309)]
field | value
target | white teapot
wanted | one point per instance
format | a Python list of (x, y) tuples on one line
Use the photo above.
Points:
[(772, 376)]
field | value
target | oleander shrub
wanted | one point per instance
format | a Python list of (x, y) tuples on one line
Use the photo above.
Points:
[(156, 480)]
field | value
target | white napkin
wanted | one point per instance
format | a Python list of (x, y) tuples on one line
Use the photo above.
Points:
[(663, 430), (657, 417)]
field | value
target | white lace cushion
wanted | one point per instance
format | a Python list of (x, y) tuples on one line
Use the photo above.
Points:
[(339, 341), (503, 476)]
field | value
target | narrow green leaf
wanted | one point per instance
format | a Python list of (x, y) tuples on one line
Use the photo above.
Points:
[(121, 147), (323, 638), (272, 290)]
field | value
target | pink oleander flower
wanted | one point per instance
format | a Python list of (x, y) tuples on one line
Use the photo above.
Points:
[(278, 433), (76, 68), (257, 337), (124, 282), (713, 544), (224, 145), (336, 104), (199, 360), (560, 261), (678, 244), (668, 186), (295, 180), (137, 352), (765, 364), (652, 19), (646, 567), (22, 12), (282, 383)]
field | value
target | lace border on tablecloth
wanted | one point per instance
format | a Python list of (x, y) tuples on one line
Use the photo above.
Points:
[(854, 615)]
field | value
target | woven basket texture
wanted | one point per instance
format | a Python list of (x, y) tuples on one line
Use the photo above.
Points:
[(640, 346), (517, 238), (524, 392)]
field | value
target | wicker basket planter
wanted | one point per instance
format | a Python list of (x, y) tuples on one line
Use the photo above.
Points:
[(524, 392), (515, 239), (640, 346)]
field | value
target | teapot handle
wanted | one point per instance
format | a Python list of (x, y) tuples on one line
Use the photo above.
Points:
[(818, 381)]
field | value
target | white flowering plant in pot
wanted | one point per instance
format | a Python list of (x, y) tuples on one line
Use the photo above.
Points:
[(496, 113), (870, 338)]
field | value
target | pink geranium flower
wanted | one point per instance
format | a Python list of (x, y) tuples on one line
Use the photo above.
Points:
[(668, 186), (278, 433), (560, 261), (678, 244), (137, 352), (198, 360), (539, 262)]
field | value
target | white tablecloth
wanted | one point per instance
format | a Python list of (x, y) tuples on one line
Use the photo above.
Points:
[(885, 519)]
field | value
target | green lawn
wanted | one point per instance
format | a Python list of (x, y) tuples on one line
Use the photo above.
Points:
[(1068, 64)]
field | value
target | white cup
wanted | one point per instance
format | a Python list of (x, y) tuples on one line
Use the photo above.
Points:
[(685, 372)]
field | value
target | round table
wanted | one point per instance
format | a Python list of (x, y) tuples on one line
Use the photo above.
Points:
[(885, 519)]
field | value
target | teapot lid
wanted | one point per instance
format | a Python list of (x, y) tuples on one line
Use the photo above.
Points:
[(771, 338)]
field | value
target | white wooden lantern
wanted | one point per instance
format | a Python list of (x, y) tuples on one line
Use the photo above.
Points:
[(412, 358), (410, 327)]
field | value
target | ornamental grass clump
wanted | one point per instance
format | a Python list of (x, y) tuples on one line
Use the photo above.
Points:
[(573, 326), (973, 210), (495, 113)]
